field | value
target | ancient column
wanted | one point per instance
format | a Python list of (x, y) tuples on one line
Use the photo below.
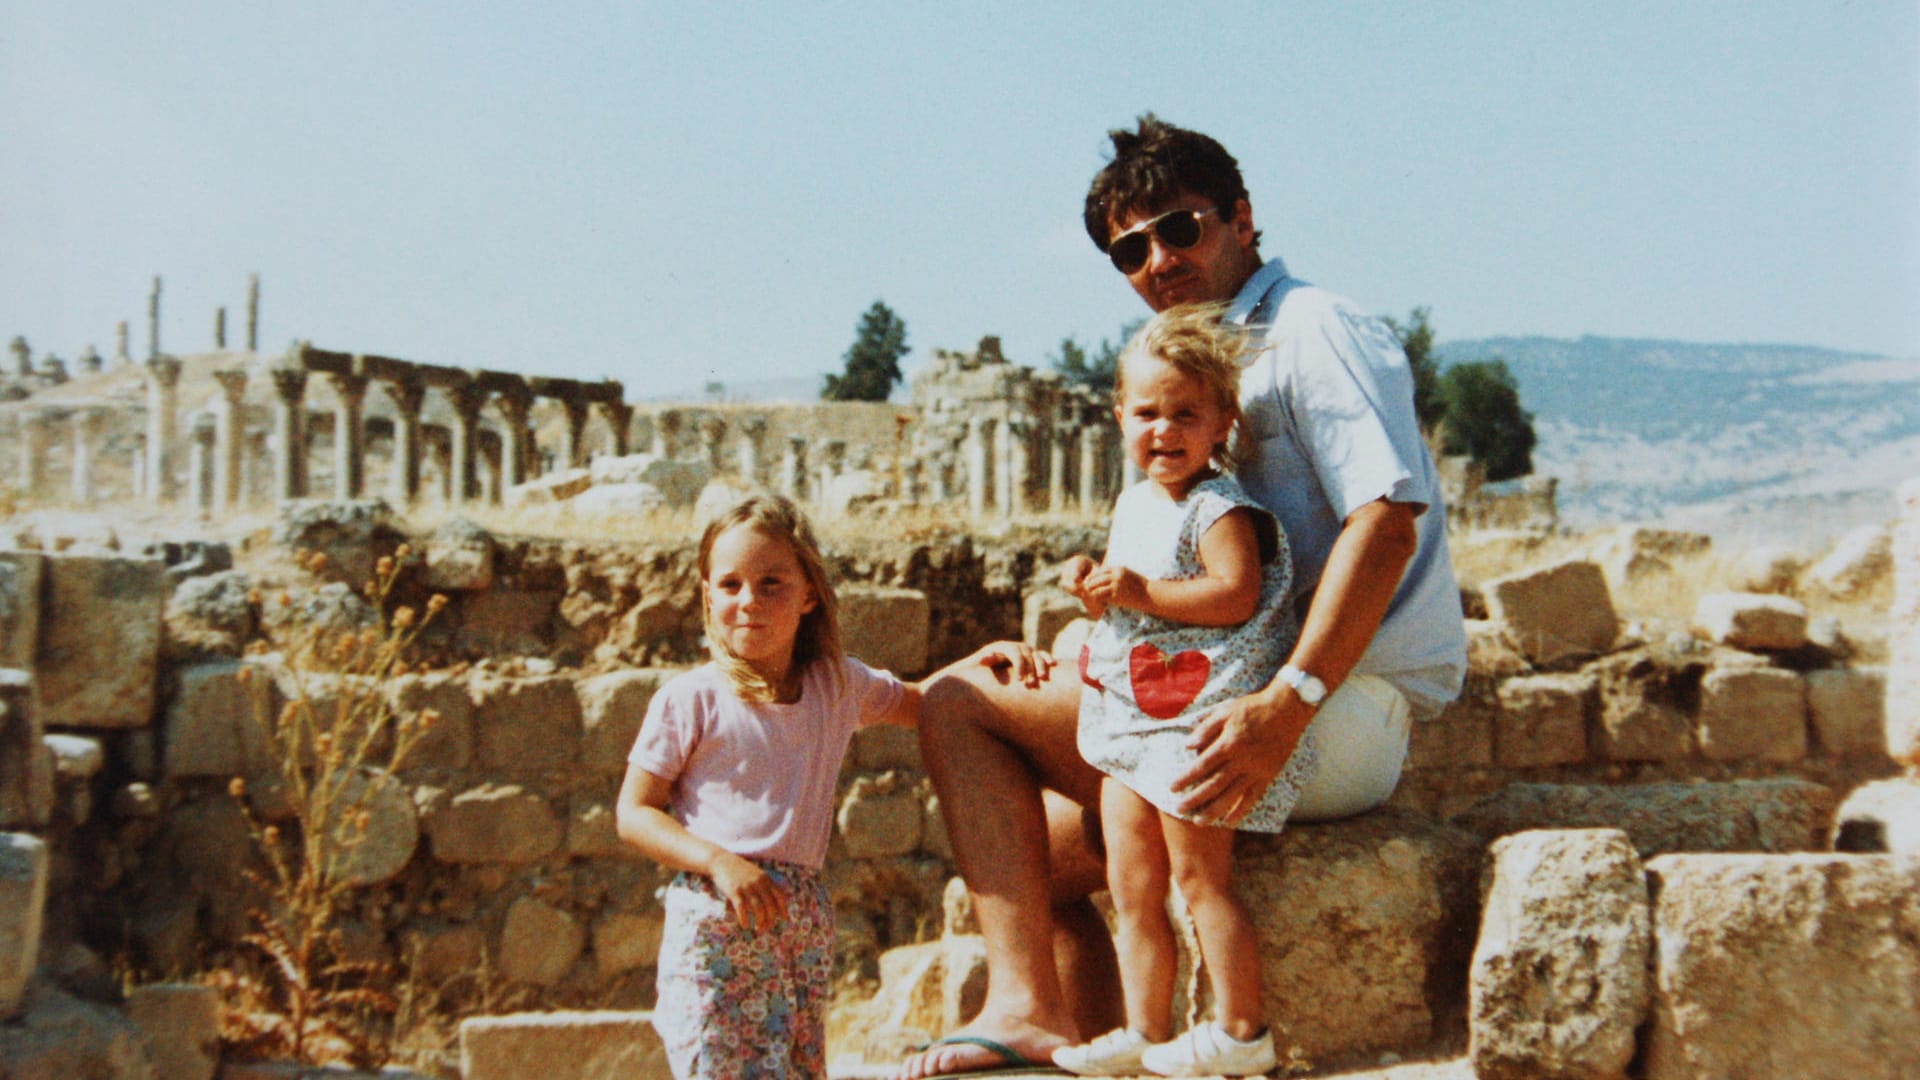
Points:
[(90, 361), (793, 468), (752, 430), (220, 328), (666, 432), (516, 451), (289, 432), (407, 395), (833, 459), (619, 416), (1092, 465), (153, 321), (230, 421), (1057, 436), (121, 357), (975, 450), (939, 463), (713, 431), (1003, 467), (490, 452), (33, 451), (138, 472), (253, 312), (573, 453), (163, 380), (1019, 466), (85, 425), (200, 464), (349, 460), (22, 356), (438, 441), (467, 400)]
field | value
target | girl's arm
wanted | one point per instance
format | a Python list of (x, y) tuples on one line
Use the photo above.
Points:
[(642, 818), (1225, 594), (1073, 578), (1020, 661)]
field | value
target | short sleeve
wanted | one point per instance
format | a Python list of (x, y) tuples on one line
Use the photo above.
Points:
[(669, 731), (870, 694), (1216, 498), (1354, 408)]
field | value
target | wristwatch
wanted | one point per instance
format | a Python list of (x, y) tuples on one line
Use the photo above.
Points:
[(1311, 689)]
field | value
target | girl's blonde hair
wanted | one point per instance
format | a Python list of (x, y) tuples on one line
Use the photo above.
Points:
[(818, 638), (1194, 340)]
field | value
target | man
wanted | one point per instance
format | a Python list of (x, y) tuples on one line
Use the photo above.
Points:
[(1329, 400)]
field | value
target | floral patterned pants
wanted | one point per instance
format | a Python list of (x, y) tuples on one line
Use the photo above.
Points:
[(737, 1004)]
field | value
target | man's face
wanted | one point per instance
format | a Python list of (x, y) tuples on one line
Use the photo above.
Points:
[(1212, 270)]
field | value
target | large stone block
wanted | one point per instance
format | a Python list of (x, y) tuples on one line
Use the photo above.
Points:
[(611, 708), (57, 1037), (100, 630), (1903, 632), (886, 627), (1752, 621), (1645, 708), (1365, 929), (539, 942), (879, 818), (624, 940), (1559, 979), (1556, 614), (508, 620), (209, 728), (527, 724), (26, 765), (1779, 815), (23, 897), (182, 1024), (1543, 720), (1753, 714), (448, 744), (1883, 816), (562, 1046), (1785, 965), (501, 823), (1848, 707), (1638, 552), (1461, 737), (1859, 561), (21, 576), (1045, 612)]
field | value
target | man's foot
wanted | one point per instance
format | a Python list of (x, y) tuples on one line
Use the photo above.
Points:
[(963, 1052)]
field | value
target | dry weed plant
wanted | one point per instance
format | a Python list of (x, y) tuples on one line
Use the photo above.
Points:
[(332, 745)]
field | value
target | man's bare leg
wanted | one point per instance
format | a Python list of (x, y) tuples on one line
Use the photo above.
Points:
[(990, 745), (1083, 952)]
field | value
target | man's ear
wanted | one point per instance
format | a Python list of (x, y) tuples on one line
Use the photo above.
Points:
[(1243, 229)]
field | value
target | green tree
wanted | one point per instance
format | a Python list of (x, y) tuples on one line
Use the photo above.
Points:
[(1416, 337), (1484, 420), (873, 360), (1095, 370)]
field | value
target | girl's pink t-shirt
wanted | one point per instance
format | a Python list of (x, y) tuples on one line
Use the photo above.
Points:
[(757, 779)]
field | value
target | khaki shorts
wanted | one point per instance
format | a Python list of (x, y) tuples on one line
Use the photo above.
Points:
[(1361, 731)]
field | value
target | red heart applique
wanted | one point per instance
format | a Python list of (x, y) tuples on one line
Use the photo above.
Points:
[(1164, 686), (1086, 656)]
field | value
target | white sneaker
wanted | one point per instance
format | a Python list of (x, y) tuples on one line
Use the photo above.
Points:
[(1117, 1053), (1207, 1050)]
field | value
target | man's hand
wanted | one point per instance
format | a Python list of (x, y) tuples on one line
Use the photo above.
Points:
[(1241, 745), (1017, 661)]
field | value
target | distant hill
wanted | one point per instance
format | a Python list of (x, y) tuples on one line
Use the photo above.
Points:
[(1763, 440)]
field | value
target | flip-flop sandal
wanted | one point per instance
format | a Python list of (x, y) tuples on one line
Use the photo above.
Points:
[(1012, 1061)]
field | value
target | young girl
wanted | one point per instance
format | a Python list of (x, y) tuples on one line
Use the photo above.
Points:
[(731, 783), (1193, 609)]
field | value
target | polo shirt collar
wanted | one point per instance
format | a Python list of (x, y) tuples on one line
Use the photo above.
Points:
[(1256, 287)]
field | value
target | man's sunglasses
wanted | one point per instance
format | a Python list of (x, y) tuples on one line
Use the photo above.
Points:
[(1178, 230)]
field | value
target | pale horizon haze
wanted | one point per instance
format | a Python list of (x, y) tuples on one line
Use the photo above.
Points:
[(672, 195)]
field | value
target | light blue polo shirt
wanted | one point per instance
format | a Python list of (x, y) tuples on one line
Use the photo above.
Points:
[(1328, 400)]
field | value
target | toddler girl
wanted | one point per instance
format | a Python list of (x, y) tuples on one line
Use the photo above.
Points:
[(1193, 609), (731, 782)]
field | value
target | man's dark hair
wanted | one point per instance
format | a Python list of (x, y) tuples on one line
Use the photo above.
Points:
[(1152, 166)]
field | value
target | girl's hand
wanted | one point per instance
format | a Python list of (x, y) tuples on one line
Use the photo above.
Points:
[(1117, 586), (755, 900), (1021, 661), (1073, 576)]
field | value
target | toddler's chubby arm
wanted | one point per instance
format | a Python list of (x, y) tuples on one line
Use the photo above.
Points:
[(1010, 660), (642, 818), (1225, 594)]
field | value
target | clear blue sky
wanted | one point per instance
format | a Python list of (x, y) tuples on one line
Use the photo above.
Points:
[(672, 193)]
